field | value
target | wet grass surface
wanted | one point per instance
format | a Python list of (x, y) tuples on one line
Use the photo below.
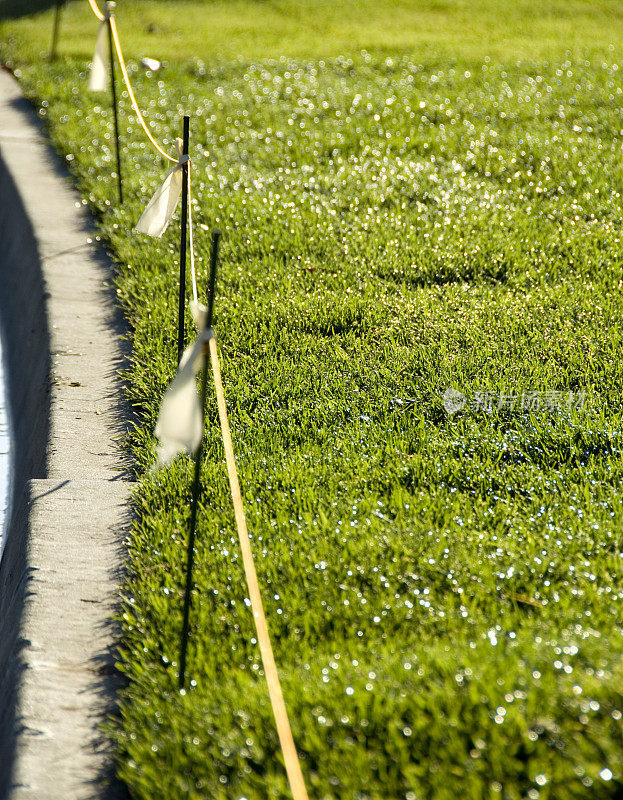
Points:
[(443, 589), (213, 30)]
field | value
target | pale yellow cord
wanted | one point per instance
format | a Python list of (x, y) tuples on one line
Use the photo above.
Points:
[(293, 768), (126, 80), (96, 10)]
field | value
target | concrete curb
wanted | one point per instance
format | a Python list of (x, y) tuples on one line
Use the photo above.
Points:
[(60, 569)]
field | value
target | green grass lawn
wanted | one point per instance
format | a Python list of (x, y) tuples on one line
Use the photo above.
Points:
[(215, 30), (441, 210)]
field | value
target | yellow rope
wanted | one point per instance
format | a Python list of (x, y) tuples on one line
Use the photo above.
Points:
[(96, 10), (124, 71), (126, 79), (293, 768)]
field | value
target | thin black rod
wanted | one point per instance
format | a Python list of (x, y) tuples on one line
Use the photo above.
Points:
[(182, 295), (216, 236), (55, 29), (190, 554), (113, 87)]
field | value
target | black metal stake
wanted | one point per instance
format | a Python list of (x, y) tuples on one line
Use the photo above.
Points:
[(190, 557), (182, 295), (113, 86), (57, 22)]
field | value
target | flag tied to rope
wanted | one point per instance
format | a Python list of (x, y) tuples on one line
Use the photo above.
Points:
[(180, 421), (156, 218), (98, 76)]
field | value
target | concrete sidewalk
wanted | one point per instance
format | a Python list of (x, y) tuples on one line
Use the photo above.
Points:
[(63, 591)]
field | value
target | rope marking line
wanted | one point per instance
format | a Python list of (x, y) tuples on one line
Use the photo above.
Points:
[(293, 767), (96, 11), (284, 731), (126, 78)]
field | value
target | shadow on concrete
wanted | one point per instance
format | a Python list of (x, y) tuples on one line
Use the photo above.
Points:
[(26, 339), (25, 335)]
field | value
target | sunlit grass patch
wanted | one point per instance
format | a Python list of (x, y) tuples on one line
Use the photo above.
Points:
[(443, 589)]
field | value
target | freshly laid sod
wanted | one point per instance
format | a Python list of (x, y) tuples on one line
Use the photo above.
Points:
[(443, 589)]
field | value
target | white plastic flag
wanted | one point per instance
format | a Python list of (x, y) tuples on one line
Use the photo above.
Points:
[(98, 77), (151, 64), (199, 312), (156, 218), (180, 421)]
